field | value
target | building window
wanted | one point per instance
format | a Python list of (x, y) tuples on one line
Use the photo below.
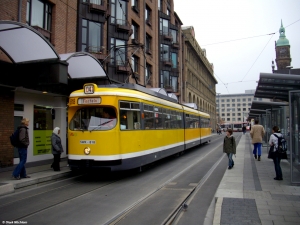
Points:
[(135, 32), (174, 59), (228, 109), (148, 44), (222, 100), (164, 26), (135, 64), (228, 114), (233, 109), (118, 56), (135, 5), (148, 13), (239, 114), (159, 4), (249, 99), (227, 100), (233, 114), (228, 119), (228, 105), (174, 36), (165, 52), (118, 12), (244, 104), (39, 13), (223, 114), (233, 119), (244, 99), (148, 72), (91, 36), (174, 83), (223, 105), (239, 119), (238, 109), (244, 109), (165, 79), (238, 104), (232, 100), (233, 105), (238, 100), (168, 8), (223, 110)]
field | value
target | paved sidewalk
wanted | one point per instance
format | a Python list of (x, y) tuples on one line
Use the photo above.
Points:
[(39, 173), (248, 194)]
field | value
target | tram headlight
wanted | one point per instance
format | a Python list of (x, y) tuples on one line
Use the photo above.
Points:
[(87, 150)]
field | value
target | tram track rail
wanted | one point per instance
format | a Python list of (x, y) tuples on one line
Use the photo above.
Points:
[(88, 189)]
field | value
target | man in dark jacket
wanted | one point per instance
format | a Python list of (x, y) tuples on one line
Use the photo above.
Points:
[(20, 171)]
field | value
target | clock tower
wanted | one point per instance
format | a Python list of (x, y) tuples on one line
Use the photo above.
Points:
[(282, 47)]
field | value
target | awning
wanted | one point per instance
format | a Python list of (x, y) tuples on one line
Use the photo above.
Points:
[(261, 107), (83, 65), (276, 86), (23, 44)]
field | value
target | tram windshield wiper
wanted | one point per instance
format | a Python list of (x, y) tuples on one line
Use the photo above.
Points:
[(101, 124)]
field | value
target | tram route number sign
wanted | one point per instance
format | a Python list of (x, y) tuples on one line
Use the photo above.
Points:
[(92, 142)]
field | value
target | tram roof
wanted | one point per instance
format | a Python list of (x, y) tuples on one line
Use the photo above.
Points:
[(156, 92)]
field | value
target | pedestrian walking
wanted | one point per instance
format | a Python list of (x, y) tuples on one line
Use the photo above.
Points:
[(57, 149), (244, 129), (229, 147), (274, 154), (257, 133), (20, 171)]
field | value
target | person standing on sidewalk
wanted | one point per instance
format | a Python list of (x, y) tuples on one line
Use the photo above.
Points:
[(244, 129), (273, 141), (20, 171), (57, 148), (257, 133), (229, 147)]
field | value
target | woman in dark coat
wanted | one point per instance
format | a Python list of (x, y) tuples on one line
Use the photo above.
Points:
[(57, 148)]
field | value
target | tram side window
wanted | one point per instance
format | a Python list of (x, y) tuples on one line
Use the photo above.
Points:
[(130, 116), (191, 121), (204, 122), (159, 118), (148, 117)]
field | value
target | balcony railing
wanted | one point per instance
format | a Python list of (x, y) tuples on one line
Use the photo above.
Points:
[(168, 36), (148, 51), (98, 5), (44, 32), (98, 52), (123, 25), (175, 45)]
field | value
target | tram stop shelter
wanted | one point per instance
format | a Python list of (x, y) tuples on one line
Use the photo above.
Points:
[(283, 110)]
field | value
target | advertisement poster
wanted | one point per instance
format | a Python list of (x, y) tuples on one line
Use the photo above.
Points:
[(42, 142)]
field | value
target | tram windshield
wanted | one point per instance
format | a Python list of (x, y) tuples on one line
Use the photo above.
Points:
[(93, 118)]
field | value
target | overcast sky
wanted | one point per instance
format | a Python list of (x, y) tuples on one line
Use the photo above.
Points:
[(237, 64)]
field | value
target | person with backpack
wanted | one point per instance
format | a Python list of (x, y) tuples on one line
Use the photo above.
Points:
[(22, 145), (276, 154), (257, 132), (229, 147), (57, 148)]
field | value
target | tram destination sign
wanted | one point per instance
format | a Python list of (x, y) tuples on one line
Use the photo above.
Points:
[(84, 101)]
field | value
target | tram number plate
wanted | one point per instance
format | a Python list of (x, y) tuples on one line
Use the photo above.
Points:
[(87, 142)]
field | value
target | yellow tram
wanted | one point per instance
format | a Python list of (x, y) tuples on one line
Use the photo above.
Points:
[(120, 127)]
